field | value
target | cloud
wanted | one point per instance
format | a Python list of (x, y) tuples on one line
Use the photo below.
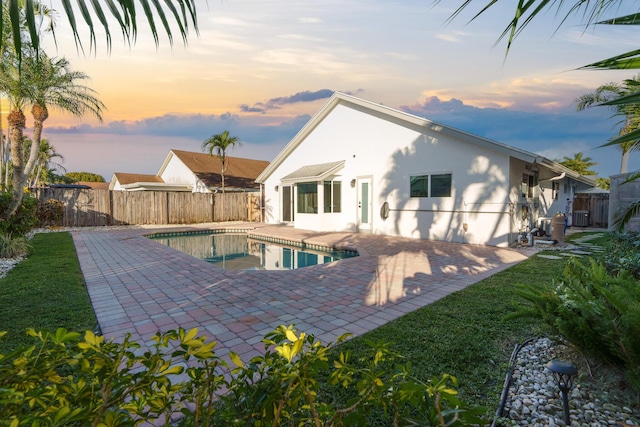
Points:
[(525, 93), (550, 134), (308, 20), (276, 103), (452, 36), (258, 130), (141, 145)]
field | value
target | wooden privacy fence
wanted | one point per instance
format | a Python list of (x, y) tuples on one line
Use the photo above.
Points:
[(591, 210), (86, 207)]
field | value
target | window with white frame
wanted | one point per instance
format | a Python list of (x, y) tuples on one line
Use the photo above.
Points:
[(307, 197), (431, 185), (332, 196)]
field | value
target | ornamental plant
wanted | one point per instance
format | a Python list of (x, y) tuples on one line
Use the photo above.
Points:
[(66, 378), (595, 311)]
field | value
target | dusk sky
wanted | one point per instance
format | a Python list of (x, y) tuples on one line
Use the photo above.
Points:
[(262, 69)]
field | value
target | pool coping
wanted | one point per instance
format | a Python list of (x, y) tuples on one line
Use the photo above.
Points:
[(298, 243)]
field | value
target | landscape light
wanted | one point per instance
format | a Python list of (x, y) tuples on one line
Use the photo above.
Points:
[(563, 374)]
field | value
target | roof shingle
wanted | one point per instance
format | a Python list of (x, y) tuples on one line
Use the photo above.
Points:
[(240, 173)]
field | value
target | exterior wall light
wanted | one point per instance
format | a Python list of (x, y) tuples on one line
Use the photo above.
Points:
[(353, 182), (276, 188), (563, 374)]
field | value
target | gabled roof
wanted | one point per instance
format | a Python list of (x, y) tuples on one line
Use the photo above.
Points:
[(410, 120), (240, 173), (130, 178)]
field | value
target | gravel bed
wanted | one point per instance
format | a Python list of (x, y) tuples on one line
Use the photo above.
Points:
[(534, 398)]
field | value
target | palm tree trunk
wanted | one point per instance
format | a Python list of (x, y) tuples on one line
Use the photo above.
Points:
[(2, 148), (40, 114), (223, 159), (17, 123), (624, 164)]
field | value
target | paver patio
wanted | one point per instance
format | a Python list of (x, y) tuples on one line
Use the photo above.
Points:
[(140, 286)]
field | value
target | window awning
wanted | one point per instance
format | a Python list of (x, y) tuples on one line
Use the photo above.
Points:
[(312, 173)]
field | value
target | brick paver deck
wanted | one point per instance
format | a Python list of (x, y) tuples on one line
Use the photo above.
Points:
[(140, 286)]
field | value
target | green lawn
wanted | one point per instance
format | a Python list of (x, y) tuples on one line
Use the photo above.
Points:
[(45, 291), (464, 334)]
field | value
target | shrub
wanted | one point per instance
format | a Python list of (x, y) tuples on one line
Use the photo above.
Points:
[(595, 311), (67, 379), (13, 247), (24, 219), (51, 212), (624, 254)]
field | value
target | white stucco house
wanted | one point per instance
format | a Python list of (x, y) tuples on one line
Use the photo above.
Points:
[(359, 166), (194, 172)]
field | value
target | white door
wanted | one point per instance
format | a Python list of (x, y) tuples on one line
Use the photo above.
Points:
[(365, 196)]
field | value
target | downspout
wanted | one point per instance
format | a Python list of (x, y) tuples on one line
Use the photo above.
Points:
[(262, 218)]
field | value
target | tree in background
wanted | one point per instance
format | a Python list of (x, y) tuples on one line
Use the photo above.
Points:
[(630, 112), (84, 177), (46, 166), (604, 183), (219, 144), (579, 164)]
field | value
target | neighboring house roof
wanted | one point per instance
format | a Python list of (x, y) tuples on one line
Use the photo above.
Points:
[(95, 185), (593, 190), (142, 182), (130, 178), (410, 120), (240, 173), (70, 186)]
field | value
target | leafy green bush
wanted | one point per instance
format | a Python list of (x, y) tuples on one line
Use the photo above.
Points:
[(180, 381), (13, 247), (24, 219), (595, 311), (51, 212), (624, 254)]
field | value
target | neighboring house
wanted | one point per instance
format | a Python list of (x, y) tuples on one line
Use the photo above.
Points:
[(202, 172), (195, 172), (362, 167), (95, 185), (142, 182)]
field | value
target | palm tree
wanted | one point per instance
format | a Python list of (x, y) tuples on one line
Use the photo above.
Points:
[(45, 164), (42, 82), (219, 144), (579, 164), (630, 112)]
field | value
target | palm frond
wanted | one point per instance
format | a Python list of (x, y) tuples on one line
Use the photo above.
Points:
[(182, 12), (625, 214), (633, 19), (624, 99), (634, 176), (633, 136), (525, 11)]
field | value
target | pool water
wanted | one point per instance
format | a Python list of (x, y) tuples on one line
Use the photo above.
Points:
[(236, 251)]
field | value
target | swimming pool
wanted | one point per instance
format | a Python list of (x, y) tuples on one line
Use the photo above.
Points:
[(239, 251)]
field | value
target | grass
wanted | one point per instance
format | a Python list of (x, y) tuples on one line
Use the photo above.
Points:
[(463, 334), (45, 291)]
